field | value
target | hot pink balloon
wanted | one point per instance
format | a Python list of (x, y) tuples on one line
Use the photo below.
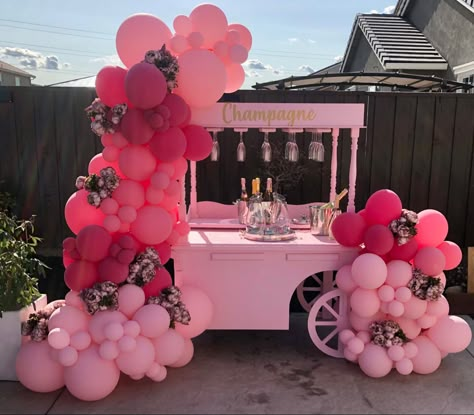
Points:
[(139, 360), (112, 223), (154, 196), (181, 166), (169, 145), (110, 85), (232, 37), (110, 269), (382, 207), (160, 180), (80, 275), (430, 261), (405, 252), (348, 229), (365, 302), (35, 368), (399, 273), (109, 206), (137, 162), (186, 356), (97, 163), (182, 25), (201, 78), (119, 140), (137, 35), (235, 77), (164, 252), (152, 226), (100, 320), (91, 378), (200, 308), (378, 239), (245, 37), (432, 228), (428, 358), (374, 361), (127, 214), (450, 334), (162, 280), (369, 271), (130, 193), (106, 140), (135, 128), (452, 253), (179, 110), (93, 243), (131, 298), (145, 85), (211, 21), (182, 228), (79, 213), (170, 202)]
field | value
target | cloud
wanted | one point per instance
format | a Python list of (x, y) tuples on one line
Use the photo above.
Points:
[(293, 39), (389, 9), (252, 74), (311, 41), (277, 72), (32, 60), (81, 82), (108, 60), (373, 11), (306, 68), (338, 58), (255, 64)]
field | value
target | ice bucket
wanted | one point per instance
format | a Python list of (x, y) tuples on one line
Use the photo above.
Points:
[(321, 217)]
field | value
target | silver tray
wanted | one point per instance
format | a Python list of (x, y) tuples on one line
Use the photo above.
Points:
[(269, 238)]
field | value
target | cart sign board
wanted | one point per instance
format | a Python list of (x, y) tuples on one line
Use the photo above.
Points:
[(269, 115)]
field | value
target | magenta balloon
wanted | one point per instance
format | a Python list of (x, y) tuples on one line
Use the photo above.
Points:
[(160, 180), (154, 320), (145, 85), (137, 163), (182, 228), (91, 378), (131, 298), (428, 358), (168, 347), (211, 21), (200, 308), (382, 207), (110, 85), (201, 78), (180, 168), (154, 196), (110, 269), (135, 128), (110, 153), (405, 252), (137, 35), (93, 243), (365, 302), (348, 229), (450, 334), (378, 239), (452, 253), (118, 140), (235, 77), (182, 25), (168, 146), (35, 368), (369, 271), (179, 109), (130, 193), (432, 228), (162, 280), (152, 226), (80, 275), (374, 361), (198, 142), (100, 320), (430, 261), (79, 213), (164, 252), (245, 37)]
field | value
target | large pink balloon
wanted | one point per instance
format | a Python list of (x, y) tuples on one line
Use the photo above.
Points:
[(137, 162), (70, 319), (135, 128), (131, 299), (405, 252), (344, 279), (348, 229), (153, 319), (235, 77), (430, 261), (245, 37), (97, 163), (110, 85), (138, 360), (201, 78), (91, 378), (101, 320), (145, 85), (399, 273), (186, 356), (35, 368), (80, 275), (152, 226), (432, 228), (438, 308), (415, 307), (93, 243), (130, 193), (408, 326), (374, 361), (365, 302), (450, 334), (168, 347), (169, 145), (200, 308), (369, 271), (211, 22), (378, 239), (382, 207), (137, 35), (428, 358), (79, 213), (179, 110), (452, 253)]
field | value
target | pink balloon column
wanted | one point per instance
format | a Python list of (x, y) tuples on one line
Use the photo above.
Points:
[(122, 313), (399, 317)]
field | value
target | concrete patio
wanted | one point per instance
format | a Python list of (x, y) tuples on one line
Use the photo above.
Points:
[(267, 372)]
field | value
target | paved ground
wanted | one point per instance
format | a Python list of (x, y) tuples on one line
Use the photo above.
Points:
[(268, 372)]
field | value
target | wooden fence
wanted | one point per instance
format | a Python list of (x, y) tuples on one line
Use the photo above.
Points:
[(418, 145)]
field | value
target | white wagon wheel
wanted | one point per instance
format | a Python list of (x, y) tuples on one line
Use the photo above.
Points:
[(312, 287), (323, 331)]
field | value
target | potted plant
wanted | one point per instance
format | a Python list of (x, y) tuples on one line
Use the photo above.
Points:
[(19, 293)]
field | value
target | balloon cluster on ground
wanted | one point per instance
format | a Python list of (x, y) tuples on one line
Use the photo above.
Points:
[(398, 315), (123, 314)]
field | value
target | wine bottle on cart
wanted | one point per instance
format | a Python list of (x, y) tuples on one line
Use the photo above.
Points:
[(268, 195), (257, 186), (243, 190)]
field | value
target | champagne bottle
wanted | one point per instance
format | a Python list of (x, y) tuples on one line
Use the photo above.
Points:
[(268, 195), (243, 190), (254, 191), (257, 185)]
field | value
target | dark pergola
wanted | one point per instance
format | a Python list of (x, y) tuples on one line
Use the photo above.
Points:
[(393, 80)]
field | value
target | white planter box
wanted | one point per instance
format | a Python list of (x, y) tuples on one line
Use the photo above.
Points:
[(11, 338)]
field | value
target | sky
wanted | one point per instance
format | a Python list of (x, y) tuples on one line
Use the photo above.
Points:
[(62, 40)]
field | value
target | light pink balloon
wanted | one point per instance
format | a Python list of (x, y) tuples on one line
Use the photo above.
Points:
[(35, 368), (81, 340), (130, 193), (137, 35), (109, 206), (72, 299), (399, 273), (108, 350), (182, 25), (91, 378), (221, 49), (145, 85), (442, 278), (432, 228), (426, 321), (360, 323), (200, 308), (131, 328), (153, 319), (131, 298), (344, 279), (58, 338), (404, 366), (178, 44), (428, 358), (364, 336), (186, 356), (245, 37), (452, 253), (127, 344), (110, 153), (68, 318), (152, 226), (451, 334), (396, 308), (365, 302), (411, 349), (100, 320), (396, 353), (415, 308), (137, 162), (235, 77), (173, 188), (79, 213), (355, 345), (351, 357), (405, 252), (201, 78), (238, 54), (93, 243), (430, 261), (232, 37), (169, 145), (374, 361), (139, 360), (161, 376), (345, 335), (438, 308), (403, 294), (386, 293), (211, 21), (369, 271), (382, 207), (409, 326), (173, 238), (168, 347), (112, 223), (135, 128), (110, 85), (68, 356), (195, 40), (113, 331)]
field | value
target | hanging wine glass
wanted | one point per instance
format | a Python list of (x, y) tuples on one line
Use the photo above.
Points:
[(291, 148), (241, 148), (215, 147), (288, 146), (319, 147), (312, 145), (266, 149)]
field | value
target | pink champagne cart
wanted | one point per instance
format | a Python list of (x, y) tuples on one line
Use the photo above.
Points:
[(250, 283)]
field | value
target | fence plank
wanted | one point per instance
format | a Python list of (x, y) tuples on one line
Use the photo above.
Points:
[(9, 168)]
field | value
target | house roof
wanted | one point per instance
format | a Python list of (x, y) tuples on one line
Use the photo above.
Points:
[(396, 43), (6, 67), (335, 67)]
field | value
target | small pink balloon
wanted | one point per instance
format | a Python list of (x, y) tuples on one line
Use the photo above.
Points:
[(139, 360), (364, 336), (378, 239), (426, 321), (360, 323), (179, 110), (221, 49), (432, 228), (137, 162), (79, 213), (396, 308), (409, 326), (415, 308), (131, 328), (173, 188), (178, 44), (374, 361), (245, 37), (106, 140), (154, 370), (109, 350), (238, 54), (404, 366), (180, 168), (369, 271), (410, 349), (72, 299), (428, 358), (396, 353), (135, 128), (93, 243), (153, 319), (169, 145), (154, 196), (130, 193), (127, 344), (195, 40), (403, 294), (110, 153), (348, 229), (452, 254), (365, 302), (451, 334), (100, 320), (168, 347), (200, 308), (162, 280), (160, 180), (351, 357), (355, 345), (109, 206), (161, 376), (382, 207), (173, 238), (113, 331), (126, 256), (186, 356), (152, 226), (399, 273), (182, 25), (35, 368), (112, 223), (232, 37), (182, 228), (344, 279), (430, 261), (68, 356), (68, 318), (131, 298), (438, 308), (386, 293), (119, 140), (346, 335), (81, 340), (127, 214), (405, 252), (58, 338)]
